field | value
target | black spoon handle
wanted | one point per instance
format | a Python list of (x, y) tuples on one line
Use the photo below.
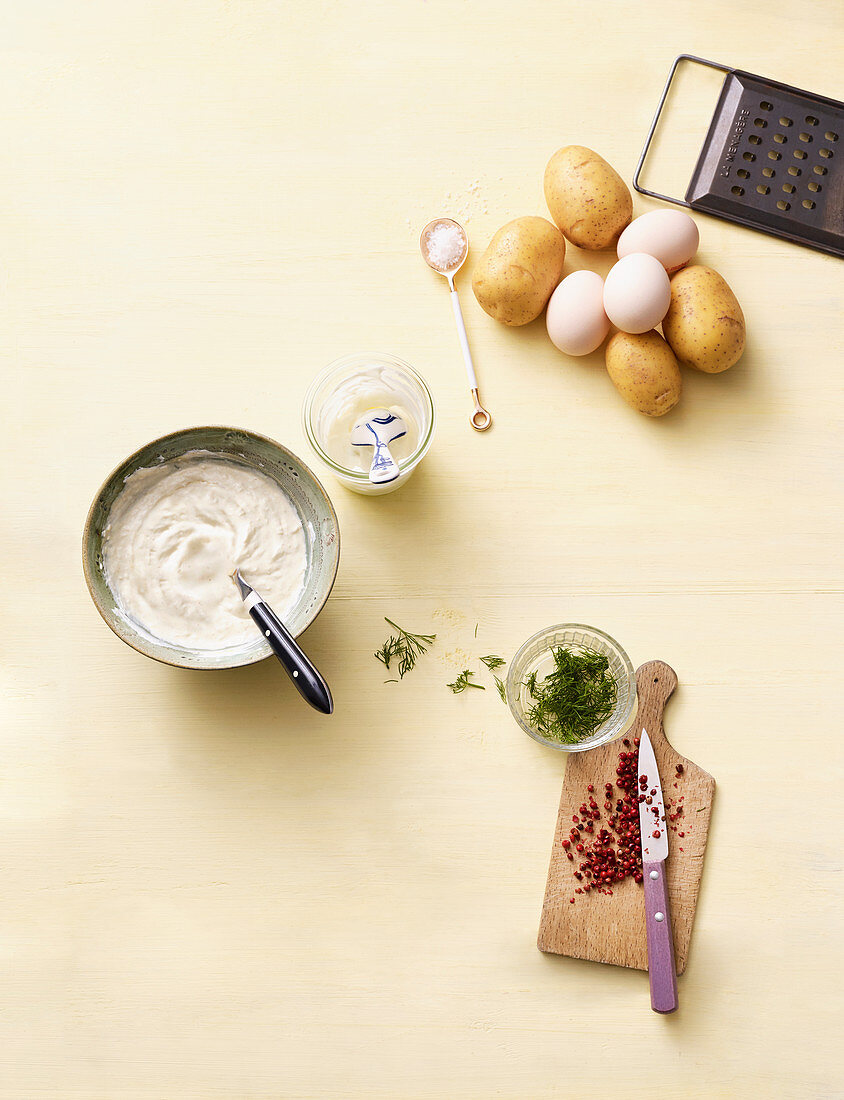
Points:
[(301, 671)]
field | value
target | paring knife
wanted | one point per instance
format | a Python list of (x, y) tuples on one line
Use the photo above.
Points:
[(652, 824), (297, 664)]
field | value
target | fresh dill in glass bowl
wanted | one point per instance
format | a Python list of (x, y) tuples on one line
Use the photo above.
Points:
[(572, 687)]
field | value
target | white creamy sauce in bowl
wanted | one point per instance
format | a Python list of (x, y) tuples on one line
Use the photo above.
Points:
[(177, 531)]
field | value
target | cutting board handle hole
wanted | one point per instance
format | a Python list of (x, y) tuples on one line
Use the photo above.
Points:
[(656, 682)]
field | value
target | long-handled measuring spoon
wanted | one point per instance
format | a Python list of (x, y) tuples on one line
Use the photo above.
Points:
[(298, 667), (445, 247)]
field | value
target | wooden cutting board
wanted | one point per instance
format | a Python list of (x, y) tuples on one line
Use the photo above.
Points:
[(611, 929)]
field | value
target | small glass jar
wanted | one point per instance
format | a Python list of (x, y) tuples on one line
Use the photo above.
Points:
[(345, 391), (536, 656)]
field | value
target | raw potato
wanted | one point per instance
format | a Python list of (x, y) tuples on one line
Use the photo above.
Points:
[(644, 371), (517, 274), (704, 324), (587, 198)]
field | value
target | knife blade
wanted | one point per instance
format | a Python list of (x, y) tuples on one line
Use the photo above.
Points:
[(654, 834), (652, 810)]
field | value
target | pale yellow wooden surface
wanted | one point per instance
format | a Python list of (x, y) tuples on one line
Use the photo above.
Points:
[(206, 891)]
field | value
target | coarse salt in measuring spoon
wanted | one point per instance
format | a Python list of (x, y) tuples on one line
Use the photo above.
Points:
[(445, 247)]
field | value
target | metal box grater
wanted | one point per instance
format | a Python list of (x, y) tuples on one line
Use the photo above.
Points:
[(772, 160)]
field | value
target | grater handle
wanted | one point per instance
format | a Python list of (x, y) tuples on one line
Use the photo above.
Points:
[(677, 61)]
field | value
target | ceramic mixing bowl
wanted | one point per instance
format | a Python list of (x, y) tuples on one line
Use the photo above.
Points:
[(319, 522)]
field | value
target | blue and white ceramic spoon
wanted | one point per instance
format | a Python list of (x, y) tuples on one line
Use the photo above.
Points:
[(378, 428)]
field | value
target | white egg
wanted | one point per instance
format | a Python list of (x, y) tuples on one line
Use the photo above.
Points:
[(637, 293), (576, 321), (669, 235)]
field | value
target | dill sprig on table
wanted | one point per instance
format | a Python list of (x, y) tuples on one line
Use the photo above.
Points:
[(404, 648), (572, 701), (463, 681), (492, 662)]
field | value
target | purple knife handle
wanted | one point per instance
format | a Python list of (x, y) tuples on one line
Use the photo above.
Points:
[(661, 969)]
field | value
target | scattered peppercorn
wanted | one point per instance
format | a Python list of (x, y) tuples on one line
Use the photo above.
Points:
[(615, 853)]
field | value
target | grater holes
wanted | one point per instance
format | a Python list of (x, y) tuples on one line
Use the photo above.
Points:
[(743, 174), (780, 139), (783, 205), (827, 153), (768, 172), (766, 106), (763, 189), (801, 154), (819, 170), (786, 122), (831, 136), (808, 204), (749, 156), (813, 186), (761, 123), (811, 120), (737, 190), (793, 170), (754, 139), (774, 156), (804, 136), (789, 188)]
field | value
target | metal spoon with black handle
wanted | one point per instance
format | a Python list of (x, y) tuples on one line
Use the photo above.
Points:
[(298, 667)]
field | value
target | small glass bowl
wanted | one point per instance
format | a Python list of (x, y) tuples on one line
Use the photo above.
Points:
[(535, 656), (410, 387)]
